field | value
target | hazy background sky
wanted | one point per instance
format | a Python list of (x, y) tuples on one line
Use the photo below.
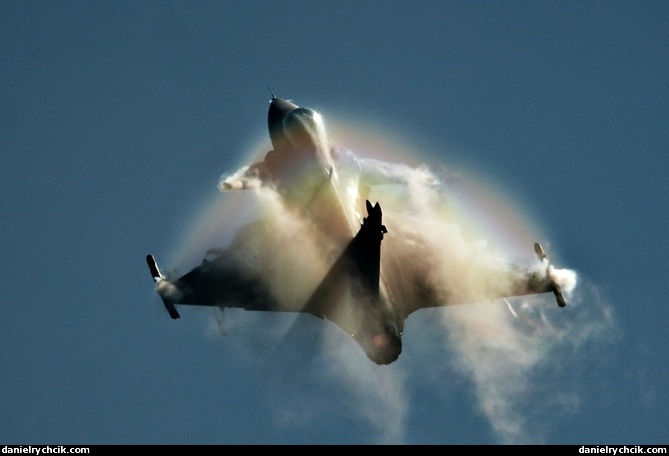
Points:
[(118, 118)]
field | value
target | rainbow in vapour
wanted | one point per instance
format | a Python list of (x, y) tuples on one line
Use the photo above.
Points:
[(474, 201), (482, 206)]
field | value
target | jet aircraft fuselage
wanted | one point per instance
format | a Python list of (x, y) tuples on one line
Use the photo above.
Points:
[(366, 291)]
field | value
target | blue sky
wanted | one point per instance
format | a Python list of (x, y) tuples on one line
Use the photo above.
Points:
[(118, 118)]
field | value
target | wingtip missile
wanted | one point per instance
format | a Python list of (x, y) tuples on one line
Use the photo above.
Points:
[(559, 296), (153, 268), (557, 290), (160, 280)]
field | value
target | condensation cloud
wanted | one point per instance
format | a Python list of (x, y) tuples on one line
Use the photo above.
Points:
[(520, 358)]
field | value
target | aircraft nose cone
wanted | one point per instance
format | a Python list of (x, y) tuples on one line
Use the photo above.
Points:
[(281, 104), (278, 110)]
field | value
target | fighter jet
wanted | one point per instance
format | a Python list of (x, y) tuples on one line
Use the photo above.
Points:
[(373, 275)]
